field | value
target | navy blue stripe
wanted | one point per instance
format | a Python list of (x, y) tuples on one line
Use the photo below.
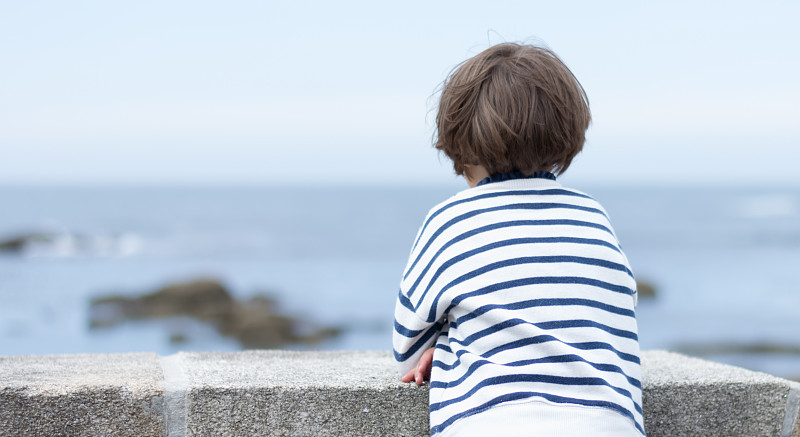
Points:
[(406, 332), (545, 338), (503, 243), (568, 358), (546, 303), (522, 206), (588, 345), (524, 260), (557, 324), (422, 341), (548, 280), (406, 302), (581, 323), (550, 192), (547, 379), (550, 397)]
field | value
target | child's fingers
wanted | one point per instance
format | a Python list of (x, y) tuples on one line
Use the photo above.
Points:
[(427, 374), (423, 372)]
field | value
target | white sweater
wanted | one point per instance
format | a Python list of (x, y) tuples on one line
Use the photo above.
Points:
[(524, 289)]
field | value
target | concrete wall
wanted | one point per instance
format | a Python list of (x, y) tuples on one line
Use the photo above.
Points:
[(282, 393)]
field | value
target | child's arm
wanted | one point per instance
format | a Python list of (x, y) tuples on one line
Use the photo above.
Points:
[(419, 317), (412, 338), (422, 372)]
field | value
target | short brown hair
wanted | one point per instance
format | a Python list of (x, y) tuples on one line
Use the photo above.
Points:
[(512, 107)]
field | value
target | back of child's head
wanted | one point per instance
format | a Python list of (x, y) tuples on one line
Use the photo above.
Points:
[(510, 108)]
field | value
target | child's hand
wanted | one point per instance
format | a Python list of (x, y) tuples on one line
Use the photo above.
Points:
[(422, 372)]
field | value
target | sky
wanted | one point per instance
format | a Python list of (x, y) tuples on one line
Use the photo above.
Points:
[(258, 92)]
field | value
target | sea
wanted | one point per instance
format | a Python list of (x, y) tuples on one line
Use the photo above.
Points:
[(724, 263)]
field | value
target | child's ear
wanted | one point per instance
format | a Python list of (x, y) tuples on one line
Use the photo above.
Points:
[(468, 170), (474, 173)]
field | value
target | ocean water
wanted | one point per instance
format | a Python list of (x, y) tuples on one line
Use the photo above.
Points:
[(724, 262)]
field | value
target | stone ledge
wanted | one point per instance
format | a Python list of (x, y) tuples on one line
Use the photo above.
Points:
[(346, 393), (684, 396), (86, 395), (301, 393)]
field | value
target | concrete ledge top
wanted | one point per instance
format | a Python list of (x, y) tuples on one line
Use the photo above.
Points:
[(291, 369), (333, 393), (668, 368), (56, 374), (362, 369)]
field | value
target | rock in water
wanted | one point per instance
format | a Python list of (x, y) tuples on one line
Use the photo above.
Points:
[(18, 243), (254, 322), (201, 299)]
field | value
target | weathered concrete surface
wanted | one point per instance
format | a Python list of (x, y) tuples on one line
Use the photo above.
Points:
[(301, 394), (793, 411), (686, 396), (282, 393), (81, 395)]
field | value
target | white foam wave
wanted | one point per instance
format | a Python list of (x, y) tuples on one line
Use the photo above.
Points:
[(769, 206), (67, 245)]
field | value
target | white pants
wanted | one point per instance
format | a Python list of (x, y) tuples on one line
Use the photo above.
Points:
[(543, 419)]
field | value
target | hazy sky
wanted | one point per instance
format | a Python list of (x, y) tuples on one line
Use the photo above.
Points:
[(258, 92)]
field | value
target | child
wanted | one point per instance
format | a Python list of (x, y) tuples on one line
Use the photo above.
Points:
[(517, 300)]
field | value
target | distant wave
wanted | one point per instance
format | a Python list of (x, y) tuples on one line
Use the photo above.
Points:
[(769, 206), (67, 245)]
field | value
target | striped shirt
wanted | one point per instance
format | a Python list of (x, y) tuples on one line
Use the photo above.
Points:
[(523, 288)]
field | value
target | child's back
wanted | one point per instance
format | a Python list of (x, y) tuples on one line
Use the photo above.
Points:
[(520, 282)]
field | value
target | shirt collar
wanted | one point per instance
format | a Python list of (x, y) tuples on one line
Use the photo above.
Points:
[(500, 177)]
